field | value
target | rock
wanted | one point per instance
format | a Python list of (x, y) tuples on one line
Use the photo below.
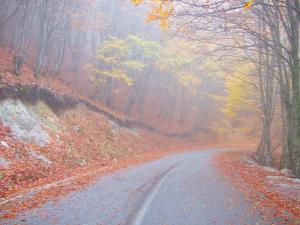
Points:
[(114, 126), (4, 163), (24, 124), (284, 183), (76, 128), (286, 172), (18, 154), (134, 131), (4, 144), (81, 162), (269, 169), (251, 162), (39, 157)]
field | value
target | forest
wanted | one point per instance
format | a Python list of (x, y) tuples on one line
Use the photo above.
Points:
[(223, 72), (199, 67)]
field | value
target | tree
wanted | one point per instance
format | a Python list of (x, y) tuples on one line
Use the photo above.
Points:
[(114, 63), (265, 32)]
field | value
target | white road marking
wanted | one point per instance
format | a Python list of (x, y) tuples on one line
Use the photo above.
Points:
[(143, 210)]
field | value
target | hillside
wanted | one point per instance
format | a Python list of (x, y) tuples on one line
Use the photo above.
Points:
[(50, 133)]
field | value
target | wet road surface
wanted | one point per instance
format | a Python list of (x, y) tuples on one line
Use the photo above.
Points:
[(183, 188)]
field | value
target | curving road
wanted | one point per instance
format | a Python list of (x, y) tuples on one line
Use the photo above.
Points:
[(181, 189)]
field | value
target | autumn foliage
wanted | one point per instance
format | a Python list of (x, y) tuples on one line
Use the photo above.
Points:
[(256, 182), (84, 144)]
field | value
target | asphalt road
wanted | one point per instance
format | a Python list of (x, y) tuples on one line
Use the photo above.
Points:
[(181, 189)]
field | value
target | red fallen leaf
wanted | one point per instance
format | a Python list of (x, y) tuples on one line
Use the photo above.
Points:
[(8, 216), (252, 180), (26, 173)]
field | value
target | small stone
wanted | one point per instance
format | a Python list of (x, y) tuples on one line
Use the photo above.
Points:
[(39, 157), (286, 172), (25, 125), (4, 163), (76, 128), (4, 144), (18, 154), (81, 162)]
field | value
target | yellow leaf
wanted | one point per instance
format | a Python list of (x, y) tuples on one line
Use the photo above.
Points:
[(164, 24), (248, 4), (151, 17), (136, 2)]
